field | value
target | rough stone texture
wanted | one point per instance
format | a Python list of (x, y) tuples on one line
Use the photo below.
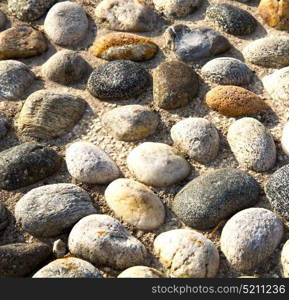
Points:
[(21, 41), (234, 101), (118, 80), (3, 126), (88, 163), (285, 259), (277, 85), (214, 196), (140, 272), (59, 248), (250, 237), (252, 144), (2, 20), (15, 78), (125, 15), (176, 8), (275, 13), (29, 10), (26, 164), (196, 137), (130, 122), (47, 114), (69, 267), (231, 19), (120, 45), (65, 67), (20, 259), (102, 240), (192, 45), (135, 203), (157, 164), (66, 23), (268, 52), (227, 71), (174, 85), (285, 139), (187, 254), (277, 191), (3, 217)]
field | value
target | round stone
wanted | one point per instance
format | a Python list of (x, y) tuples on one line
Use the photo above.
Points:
[(234, 101), (252, 144), (231, 19), (285, 259), (59, 248), (277, 191), (216, 195), (88, 163), (157, 164), (26, 164), (102, 240), (52, 209), (130, 122), (135, 203), (3, 126), (250, 237), (3, 217), (174, 85), (65, 67), (268, 52), (15, 79), (121, 45), (70, 267), (2, 20), (187, 254), (66, 23), (285, 139), (117, 80), (140, 272), (29, 10), (227, 71), (48, 114), (196, 137)]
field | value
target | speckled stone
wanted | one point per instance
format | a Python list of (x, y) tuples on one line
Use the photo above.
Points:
[(20, 259), (231, 19), (285, 259), (214, 196), (285, 139), (252, 144), (268, 52), (174, 85), (118, 80), (227, 71), (3, 217), (102, 240), (70, 267), (192, 45), (26, 164), (157, 164), (277, 191), (3, 126), (187, 254), (140, 272), (250, 237), (130, 122), (29, 10), (2, 20), (196, 137)]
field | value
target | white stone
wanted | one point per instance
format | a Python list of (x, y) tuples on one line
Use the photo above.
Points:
[(285, 138), (285, 259), (140, 272)]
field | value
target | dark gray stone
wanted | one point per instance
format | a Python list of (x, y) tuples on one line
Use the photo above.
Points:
[(214, 196), (3, 126), (2, 20), (3, 217)]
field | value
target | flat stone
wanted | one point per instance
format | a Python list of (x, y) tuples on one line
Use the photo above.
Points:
[(21, 41), (70, 267), (196, 137), (285, 139), (192, 45), (15, 79), (252, 144), (130, 122), (157, 164), (214, 196), (140, 272), (285, 259), (26, 164), (121, 45), (2, 20), (3, 217), (48, 114), (102, 240), (174, 85), (88, 163), (250, 237), (135, 203), (187, 253)]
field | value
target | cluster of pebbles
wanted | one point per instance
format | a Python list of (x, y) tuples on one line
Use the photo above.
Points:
[(144, 139)]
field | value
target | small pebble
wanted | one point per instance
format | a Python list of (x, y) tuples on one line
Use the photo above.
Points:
[(59, 249), (285, 139), (140, 272), (285, 259)]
